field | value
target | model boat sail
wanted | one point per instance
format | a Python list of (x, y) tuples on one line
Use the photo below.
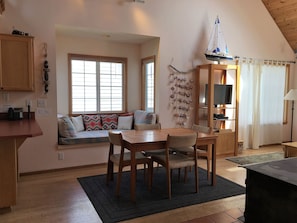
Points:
[(217, 48)]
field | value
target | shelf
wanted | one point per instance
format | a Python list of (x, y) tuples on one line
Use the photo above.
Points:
[(208, 78)]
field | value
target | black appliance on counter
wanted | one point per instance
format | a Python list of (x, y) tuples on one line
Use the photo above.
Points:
[(15, 113)]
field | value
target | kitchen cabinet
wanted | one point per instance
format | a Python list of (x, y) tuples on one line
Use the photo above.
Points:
[(16, 63)]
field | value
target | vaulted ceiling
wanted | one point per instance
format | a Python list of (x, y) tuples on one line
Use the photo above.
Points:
[(284, 13)]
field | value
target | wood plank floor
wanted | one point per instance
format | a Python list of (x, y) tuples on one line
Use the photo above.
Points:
[(58, 197)]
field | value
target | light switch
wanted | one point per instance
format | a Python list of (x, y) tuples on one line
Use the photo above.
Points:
[(41, 103)]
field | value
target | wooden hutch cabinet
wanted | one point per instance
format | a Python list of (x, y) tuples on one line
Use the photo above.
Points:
[(16, 63), (216, 104)]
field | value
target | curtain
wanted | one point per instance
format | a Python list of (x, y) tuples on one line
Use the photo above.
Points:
[(261, 104)]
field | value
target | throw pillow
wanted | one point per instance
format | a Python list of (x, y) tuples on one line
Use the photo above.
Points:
[(151, 118), (66, 127), (143, 117), (125, 122), (92, 122), (78, 123), (140, 117), (109, 121)]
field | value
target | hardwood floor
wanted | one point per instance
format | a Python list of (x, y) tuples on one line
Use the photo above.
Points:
[(58, 197)]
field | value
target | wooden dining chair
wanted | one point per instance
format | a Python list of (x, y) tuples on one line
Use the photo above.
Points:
[(203, 152), (178, 160), (124, 159), (156, 126), (147, 126)]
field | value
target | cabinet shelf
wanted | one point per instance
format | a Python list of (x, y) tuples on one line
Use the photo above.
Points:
[(209, 78)]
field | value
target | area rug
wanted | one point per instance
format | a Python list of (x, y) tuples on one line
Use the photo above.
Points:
[(243, 160), (113, 209)]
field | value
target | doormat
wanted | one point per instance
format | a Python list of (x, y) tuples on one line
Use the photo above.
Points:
[(113, 209), (260, 158)]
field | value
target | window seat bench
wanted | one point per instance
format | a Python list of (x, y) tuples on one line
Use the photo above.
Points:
[(93, 129)]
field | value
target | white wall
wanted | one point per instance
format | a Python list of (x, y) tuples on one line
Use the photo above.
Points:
[(183, 27), (91, 46)]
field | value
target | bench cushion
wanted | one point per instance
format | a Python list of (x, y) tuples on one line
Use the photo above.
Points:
[(94, 136)]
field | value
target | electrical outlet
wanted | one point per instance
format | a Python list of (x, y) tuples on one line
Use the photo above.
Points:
[(60, 156), (41, 103)]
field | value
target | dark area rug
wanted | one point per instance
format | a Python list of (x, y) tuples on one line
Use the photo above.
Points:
[(113, 209), (241, 218), (243, 160)]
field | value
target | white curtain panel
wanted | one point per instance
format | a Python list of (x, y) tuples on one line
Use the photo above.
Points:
[(261, 103)]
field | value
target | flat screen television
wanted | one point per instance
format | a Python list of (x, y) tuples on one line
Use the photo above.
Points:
[(222, 94)]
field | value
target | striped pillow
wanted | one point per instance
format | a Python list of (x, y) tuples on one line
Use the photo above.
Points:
[(109, 121), (92, 122)]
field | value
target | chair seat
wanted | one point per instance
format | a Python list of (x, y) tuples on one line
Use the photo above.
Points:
[(115, 158), (184, 150), (154, 152), (175, 160), (189, 150)]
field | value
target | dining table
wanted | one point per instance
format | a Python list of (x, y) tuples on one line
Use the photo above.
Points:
[(144, 140)]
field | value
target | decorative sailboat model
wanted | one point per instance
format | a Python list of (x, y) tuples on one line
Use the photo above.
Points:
[(217, 49)]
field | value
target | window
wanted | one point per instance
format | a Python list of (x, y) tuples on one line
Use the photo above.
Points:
[(97, 84), (148, 83)]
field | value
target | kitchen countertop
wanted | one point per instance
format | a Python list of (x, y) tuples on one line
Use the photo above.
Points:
[(19, 128)]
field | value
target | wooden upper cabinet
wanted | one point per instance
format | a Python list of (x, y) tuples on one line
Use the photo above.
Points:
[(16, 63)]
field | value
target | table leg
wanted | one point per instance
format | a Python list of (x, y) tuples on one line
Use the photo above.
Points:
[(133, 176)]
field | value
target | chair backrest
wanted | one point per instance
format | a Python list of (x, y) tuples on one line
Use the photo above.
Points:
[(115, 138), (147, 126), (178, 141), (201, 128)]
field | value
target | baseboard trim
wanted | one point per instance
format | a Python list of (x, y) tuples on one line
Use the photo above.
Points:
[(61, 169)]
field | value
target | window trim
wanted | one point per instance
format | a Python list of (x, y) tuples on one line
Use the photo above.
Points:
[(98, 59), (143, 79)]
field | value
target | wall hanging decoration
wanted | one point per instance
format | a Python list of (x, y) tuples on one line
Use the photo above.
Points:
[(217, 48), (180, 99), (2, 6), (45, 70)]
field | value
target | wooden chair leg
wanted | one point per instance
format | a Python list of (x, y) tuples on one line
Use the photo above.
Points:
[(196, 179), (109, 175), (208, 168), (186, 174), (119, 181), (144, 172), (168, 182), (149, 175)]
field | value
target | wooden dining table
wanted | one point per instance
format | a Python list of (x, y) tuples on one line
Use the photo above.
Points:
[(144, 140)]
